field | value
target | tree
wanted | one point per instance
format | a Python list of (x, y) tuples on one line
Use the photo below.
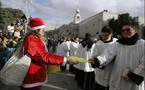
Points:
[(114, 25), (117, 24), (9, 15)]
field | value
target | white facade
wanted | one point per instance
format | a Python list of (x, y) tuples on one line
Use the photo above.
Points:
[(142, 26), (92, 25), (77, 17), (95, 23)]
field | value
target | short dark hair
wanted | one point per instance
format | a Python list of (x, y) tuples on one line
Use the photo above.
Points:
[(134, 24), (88, 35), (106, 29)]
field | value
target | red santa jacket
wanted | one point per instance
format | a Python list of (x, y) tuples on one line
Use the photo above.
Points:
[(36, 75)]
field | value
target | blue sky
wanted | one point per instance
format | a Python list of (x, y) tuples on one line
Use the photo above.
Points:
[(58, 12)]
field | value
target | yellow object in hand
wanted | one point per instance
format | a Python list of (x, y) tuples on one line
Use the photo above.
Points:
[(77, 59)]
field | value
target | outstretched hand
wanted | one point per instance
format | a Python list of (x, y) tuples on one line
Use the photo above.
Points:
[(91, 60)]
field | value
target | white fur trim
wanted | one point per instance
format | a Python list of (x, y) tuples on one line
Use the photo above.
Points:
[(32, 85), (38, 27), (64, 61)]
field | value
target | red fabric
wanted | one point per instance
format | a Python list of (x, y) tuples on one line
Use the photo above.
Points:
[(33, 88), (35, 22), (37, 71)]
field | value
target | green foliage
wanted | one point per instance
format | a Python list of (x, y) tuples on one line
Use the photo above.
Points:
[(8, 16), (123, 19), (115, 25)]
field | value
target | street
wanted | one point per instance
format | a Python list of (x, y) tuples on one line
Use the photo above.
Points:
[(56, 81)]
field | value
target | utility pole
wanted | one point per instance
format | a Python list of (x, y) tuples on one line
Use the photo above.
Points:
[(26, 8), (26, 14), (0, 3)]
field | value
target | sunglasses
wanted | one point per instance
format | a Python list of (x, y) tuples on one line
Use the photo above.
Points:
[(127, 30)]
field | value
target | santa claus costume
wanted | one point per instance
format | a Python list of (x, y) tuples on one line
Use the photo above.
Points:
[(34, 46)]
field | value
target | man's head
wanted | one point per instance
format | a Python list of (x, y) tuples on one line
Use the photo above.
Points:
[(129, 29), (106, 34)]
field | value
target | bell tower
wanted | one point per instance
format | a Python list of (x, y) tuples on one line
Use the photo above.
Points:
[(77, 17)]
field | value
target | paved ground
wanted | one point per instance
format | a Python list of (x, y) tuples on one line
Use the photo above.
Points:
[(56, 81)]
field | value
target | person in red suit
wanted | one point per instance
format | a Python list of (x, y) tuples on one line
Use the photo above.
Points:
[(34, 46)]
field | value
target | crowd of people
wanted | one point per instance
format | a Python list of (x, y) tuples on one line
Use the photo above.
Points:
[(7, 46), (108, 57), (114, 63), (8, 41), (111, 58)]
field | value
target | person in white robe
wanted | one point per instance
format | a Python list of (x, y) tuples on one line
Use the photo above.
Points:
[(63, 50), (86, 78), (73, 49), (102, 75), (128, 51), (10, 29)]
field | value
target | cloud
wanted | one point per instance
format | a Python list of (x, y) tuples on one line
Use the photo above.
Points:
[(58, 12), (133, 7)]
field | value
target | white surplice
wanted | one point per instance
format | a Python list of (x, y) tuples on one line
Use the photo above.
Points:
[(126, 56), (102, 76)]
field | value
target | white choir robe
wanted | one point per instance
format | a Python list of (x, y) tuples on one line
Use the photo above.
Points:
[(63, 49), (126, 56), (102, 76), (83, 53), (73, 50)]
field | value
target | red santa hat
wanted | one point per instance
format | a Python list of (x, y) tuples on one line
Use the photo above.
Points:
[(36, 23)]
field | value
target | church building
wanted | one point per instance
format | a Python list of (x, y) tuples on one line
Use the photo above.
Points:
[(93, 25)]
